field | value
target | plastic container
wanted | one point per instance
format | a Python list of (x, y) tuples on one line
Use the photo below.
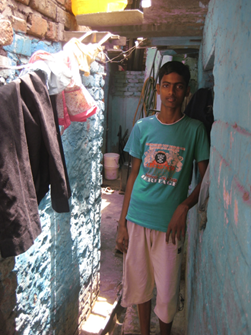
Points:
[(111, 172), (80, 7), (111, 159)]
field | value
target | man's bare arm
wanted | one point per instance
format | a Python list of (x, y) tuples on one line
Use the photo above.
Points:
[(177, 225), (122, 234)]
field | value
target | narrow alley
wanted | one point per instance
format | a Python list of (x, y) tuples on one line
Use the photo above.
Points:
[(73, 85)]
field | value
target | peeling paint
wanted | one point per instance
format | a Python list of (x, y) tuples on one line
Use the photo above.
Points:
[(243, 192), (245, 196), (231, 140), (236, 212), (220, 166), (226, 195)]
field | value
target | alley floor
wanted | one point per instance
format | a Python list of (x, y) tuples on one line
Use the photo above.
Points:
[(113, 318)]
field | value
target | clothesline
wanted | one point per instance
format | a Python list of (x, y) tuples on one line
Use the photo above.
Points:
[(126, 54), (14, 67)]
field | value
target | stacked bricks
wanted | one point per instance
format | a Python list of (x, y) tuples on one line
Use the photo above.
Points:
[(44, 19), (124, 95), (127, 83)]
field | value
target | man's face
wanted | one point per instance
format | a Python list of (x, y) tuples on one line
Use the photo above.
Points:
[(172, 90)]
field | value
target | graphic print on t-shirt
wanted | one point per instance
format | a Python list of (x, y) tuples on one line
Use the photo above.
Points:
[(161, 162)]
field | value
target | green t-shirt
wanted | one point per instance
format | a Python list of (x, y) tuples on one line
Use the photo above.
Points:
[(167, 152)]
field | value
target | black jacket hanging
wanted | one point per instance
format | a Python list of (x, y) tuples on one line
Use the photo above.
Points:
[(31, 159)]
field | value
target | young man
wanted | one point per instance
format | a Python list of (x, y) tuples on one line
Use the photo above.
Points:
[(153, 218)]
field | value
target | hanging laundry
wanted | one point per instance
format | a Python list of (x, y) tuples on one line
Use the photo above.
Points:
[(61, 70), (75, 105), (56, 68), (85, 54), (31, 161)]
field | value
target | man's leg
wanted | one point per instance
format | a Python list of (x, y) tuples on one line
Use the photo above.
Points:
[(165, 328), (144, 311), (167, 278)]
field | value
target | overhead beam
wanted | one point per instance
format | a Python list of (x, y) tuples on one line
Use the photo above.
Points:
[(174, 42), (96, 38), (152, 30), (124, 18)]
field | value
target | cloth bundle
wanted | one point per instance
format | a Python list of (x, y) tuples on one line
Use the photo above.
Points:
[(61, 70), (75, 105)]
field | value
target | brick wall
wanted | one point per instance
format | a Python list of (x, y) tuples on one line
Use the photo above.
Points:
[(127, 83), (218, 269), (44, 19)]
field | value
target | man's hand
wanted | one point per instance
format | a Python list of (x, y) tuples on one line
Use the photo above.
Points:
[(177, 225), (122, 238)]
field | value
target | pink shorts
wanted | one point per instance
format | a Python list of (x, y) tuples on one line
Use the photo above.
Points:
[(149, 261)]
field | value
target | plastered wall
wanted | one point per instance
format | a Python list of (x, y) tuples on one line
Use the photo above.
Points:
[(50, 288), (123, 98), (218, 266)]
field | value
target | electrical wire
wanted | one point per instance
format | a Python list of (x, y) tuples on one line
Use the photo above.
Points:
[(126, 54)]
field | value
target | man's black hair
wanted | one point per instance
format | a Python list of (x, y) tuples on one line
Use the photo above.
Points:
[(175, 66)]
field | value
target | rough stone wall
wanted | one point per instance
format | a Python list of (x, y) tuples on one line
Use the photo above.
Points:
[(124, 96), (19, 52), (44, 19), (50, 288), (219, 268)]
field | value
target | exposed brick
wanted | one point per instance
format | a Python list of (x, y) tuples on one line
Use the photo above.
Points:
[(123, 81), (131, 89), (6, 32), (7, 13), (67, 19), (60, 31), (38, 26), (46, 7), (132, 80), (3, 5), (120, 94), (52, 31), (68, 5), (62, 2), (121, 89), (19, 24), (137, 94), (25, 2)]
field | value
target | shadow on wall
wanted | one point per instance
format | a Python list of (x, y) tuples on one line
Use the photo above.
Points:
[(65, 278), (8, 285), (48, 279)]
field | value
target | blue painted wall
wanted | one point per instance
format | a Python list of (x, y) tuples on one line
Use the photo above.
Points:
[(219, 266), (50, 288), (124, 95)]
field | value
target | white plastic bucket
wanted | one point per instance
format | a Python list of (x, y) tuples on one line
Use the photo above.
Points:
[(111, 172), (111, 160)]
